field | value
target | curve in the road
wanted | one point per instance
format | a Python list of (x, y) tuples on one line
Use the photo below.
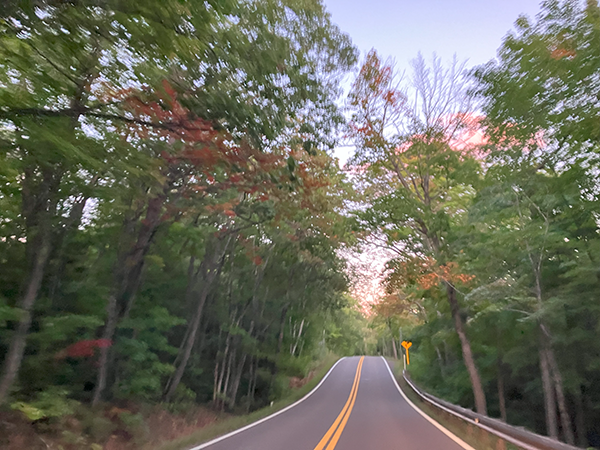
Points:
[(357, 406)]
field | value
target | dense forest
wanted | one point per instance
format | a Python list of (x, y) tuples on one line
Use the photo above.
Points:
[(484, 186), (175, 228), (170, 215)]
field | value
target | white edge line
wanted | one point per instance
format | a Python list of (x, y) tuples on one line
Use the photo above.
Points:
[(264, 419), (447, 432)]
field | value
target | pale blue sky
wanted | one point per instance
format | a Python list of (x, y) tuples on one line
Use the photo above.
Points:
[(473, 29)]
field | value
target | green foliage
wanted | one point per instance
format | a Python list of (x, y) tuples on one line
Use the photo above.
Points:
[(346, 331), (48, 404), (99, 428), (545, 72), (135, 425), (162, 161), (520, 221)]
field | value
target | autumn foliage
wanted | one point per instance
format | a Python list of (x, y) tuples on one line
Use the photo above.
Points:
[(426, 273), (83, 349)]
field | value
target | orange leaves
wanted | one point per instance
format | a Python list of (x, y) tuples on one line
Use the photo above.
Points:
[(377, 101), (203, 156), (391, 305), (159, 113), (561, 46), (376, 75), (251, 250), (428, 280), (425, 273), (393, 97), (560, 53), (446, 273), (225, 208)]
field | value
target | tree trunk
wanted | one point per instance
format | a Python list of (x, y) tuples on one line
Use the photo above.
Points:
[(394, 349), (551, 375), (38, 208), (16, 349), (275, 367), (580, 427), (61, 242), (251, 384), (107, 333), (478, 393), (127, 279), (189, 343), (237, 378), (441, 363), (221, 372), (297, 338), (501, 392), (209, 269), (239, 371), (565, 417), (549, 396), (281, 329), (230, 362)]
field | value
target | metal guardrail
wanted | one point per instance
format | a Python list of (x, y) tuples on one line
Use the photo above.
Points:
[(518, 436)]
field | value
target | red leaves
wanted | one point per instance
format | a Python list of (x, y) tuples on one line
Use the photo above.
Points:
[(84, 349), (205, 161)]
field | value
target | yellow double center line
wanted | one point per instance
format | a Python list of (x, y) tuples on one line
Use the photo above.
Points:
[(339, 424)]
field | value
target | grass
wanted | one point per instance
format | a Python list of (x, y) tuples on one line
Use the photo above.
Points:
[(233, 423), (471, 434)]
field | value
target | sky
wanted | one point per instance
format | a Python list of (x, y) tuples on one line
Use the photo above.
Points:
[(471, 29)]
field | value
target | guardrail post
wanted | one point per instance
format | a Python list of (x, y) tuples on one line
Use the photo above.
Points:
[(485, 438), (500, 444), (470, 431)]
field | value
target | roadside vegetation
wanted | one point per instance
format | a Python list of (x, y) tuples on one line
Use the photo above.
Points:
[(484, 186), (170, 215)]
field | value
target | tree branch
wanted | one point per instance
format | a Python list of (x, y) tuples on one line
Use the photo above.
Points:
[(6, 113)]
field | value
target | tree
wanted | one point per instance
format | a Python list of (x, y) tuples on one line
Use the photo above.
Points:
[(416, 150), (544, 129), (542, 81), (120, 121)]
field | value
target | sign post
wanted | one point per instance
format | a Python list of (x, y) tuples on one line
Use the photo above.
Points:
[(406, 345)]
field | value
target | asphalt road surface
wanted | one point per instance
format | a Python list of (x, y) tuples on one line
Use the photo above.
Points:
[(357, 407)]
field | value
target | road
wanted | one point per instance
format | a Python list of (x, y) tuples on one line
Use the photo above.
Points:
[(357, 407)]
